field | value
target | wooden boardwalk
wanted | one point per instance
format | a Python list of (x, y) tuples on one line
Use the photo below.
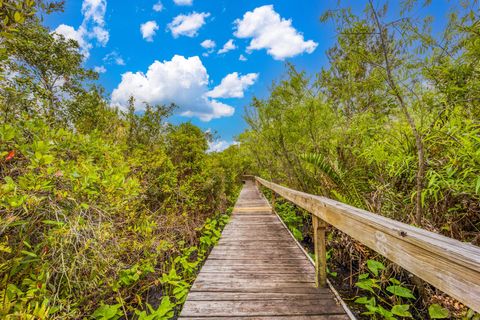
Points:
[(258, 271)]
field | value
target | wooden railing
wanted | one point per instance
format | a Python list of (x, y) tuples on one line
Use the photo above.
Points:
[(449, 265)]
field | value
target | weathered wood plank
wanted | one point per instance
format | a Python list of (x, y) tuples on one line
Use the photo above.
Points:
[(253, 245), (244, 296), (296, 317), (258, 254), (322, 317), (450, 265), (253, 276), (261, 308), (277, 269), (292, 288), (258, 262)]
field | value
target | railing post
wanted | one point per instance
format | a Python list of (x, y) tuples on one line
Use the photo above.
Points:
[(319, 227)]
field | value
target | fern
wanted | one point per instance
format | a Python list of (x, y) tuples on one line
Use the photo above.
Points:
[(344, 194)]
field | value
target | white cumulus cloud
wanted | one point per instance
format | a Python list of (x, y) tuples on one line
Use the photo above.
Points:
[(233, 86), (92, 27), (187, 25), (157, 7), (94, 10), (183, 81), (148, 30), (114, 58), (242, 58), (268, 30), (208, 44), (228, 46), (220, 145), (100, 69), (183, 2), (70, 33)]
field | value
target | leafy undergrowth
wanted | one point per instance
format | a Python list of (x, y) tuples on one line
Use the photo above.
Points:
[(175, 283), (105, 228), (372, 287)]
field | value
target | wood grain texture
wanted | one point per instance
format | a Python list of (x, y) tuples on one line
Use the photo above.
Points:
[(290, 307), (257, 271), (450, 265), (319, 227), (318, 317)]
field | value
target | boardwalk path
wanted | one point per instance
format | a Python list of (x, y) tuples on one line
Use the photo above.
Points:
[(257, 271)]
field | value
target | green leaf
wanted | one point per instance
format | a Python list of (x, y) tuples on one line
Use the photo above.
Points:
[(366, 300), (401, 310), (165, 308), (28, 253), (53, 222), (17, 16), (385, 313), (107, 312), (435, 311), (374, 266), (401, 291), (297, 234), (470, 314), (367, 284)]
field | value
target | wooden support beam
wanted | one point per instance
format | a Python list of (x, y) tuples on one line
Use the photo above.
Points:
[(319, 227)]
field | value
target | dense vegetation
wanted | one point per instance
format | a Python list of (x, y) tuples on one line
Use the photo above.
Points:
[(103, 213), (108, 213), (390, 125)]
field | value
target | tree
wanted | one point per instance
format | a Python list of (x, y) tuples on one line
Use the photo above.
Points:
[(47, 68), (147, 129), (14, 13), (386, 58), (88, 111), (186, 145)]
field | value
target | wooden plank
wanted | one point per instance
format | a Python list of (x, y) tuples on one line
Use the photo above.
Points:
[(253, 276), (261, 308), (296, 317), (246, 256), (450, 265), (262, 252), (257, 233), (250, 209), (258, 226), (292, 288), (244, 296), (257, 268), (250, 245), (252, 264), (254, 238)]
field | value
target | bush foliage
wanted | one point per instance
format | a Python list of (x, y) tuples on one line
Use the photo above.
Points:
[(104, 213)]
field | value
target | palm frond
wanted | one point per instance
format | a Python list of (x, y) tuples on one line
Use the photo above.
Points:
[(321, 163)]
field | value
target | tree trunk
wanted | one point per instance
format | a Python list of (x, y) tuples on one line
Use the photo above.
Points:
[(420, 176)]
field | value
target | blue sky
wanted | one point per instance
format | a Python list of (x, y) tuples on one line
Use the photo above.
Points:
[(153, 50)]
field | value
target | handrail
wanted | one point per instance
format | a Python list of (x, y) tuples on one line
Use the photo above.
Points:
[(447, 264)]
